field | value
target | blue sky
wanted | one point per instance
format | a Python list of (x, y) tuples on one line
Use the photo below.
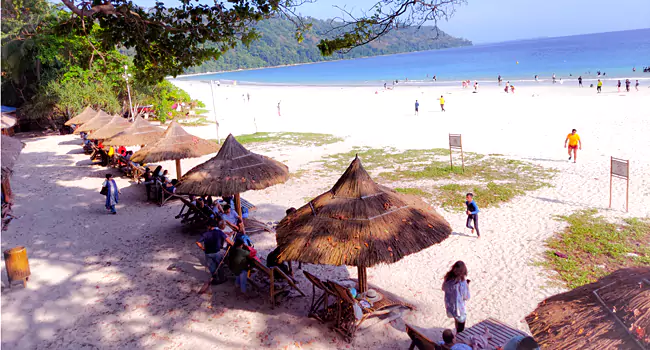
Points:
[(500, 20)]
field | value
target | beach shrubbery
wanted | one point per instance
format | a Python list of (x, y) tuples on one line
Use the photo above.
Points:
[(591, 247)]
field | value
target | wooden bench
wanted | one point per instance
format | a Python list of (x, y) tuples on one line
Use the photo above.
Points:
[(500, 332), (269, 275), (419, 340), (194, 215)]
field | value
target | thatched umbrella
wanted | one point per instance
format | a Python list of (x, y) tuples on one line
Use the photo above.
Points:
[(359, 223), (140, 132), (87, 114), (100, 119), (232, 171), (116, 125), (11, 149), (613, 313), (175, 144)]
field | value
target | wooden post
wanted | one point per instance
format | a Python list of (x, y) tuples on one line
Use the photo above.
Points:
[(178, 169), (611, 182), (451, 159), (627, 188), (238, 204), (363, 279), (272, 288), (462, 156)]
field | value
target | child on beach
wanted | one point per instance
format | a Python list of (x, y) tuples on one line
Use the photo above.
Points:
[(442, 103), (574, 142), (472, 213), (456, 288)]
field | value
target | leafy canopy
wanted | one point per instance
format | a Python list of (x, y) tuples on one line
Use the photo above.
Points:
[(168, 39)]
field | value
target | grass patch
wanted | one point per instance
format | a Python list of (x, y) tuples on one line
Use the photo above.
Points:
[(303, 139), (297, 174), (414, 191), (201, 111), (493, 180), (596, 247), (196, 122)]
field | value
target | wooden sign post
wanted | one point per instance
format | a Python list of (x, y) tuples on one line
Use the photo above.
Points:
[(620, 168), (456, 142)]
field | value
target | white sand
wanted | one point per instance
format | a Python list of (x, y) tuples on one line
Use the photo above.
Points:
[(101, 281)]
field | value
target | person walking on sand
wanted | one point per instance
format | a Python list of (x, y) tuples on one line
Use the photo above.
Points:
[(109, 188), (599, 86), (618, 85), (456, 288), (574, 143), (580, 81), (553, 78), (499, 79), (472, 214), (417, 107), (627, 85), (637, 85), (279, 114), (442, 103)]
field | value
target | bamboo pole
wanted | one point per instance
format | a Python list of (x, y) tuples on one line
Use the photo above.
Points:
[(178, 169), (363, 279), (238, 204)]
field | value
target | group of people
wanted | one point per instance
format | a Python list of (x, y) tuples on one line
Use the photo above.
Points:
[(456, 289), (158, 180), (226, 242), (627, 85)]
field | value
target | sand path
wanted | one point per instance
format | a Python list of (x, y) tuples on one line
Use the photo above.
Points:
[(102, 281)]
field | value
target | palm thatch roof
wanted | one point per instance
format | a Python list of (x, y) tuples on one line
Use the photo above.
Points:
[(176, 143), (100, 119), (116, 125), (11, 149), (613, 313), (85, 115), (140, 132), (233, 170), (359, 223)]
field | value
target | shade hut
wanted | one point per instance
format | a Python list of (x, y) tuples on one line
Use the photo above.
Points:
[(613, 313), (359, 223), (175, 144), (140, 132), (11, 149), (100, 119), (87, 114), (232, 171), (116, 125)]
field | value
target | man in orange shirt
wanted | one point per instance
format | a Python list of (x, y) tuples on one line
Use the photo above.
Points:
[(574, 143)]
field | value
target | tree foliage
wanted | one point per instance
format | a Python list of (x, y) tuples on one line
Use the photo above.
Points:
[(167, 39), (277, 46), (52, 75)]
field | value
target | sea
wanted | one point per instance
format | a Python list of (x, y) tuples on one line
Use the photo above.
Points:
[(614, 54)]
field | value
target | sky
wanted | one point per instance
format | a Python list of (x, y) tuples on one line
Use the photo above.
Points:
[(484, 21)]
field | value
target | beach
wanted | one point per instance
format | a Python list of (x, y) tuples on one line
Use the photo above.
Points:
[(129, 281)]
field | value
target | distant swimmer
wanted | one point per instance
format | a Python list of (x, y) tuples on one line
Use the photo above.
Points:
[(442, 103), (536, 77), (553, 78), (574, 143), (417, 107), (599, 86), (634, 69), (580, 81), (435, 78)]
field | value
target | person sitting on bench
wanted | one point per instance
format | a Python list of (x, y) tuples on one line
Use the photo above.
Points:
[(232, 219), (273, 260)]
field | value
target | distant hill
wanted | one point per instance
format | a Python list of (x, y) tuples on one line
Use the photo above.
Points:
[(278, 46)]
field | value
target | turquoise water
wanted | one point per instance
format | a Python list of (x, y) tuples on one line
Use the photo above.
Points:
[(614, 53)]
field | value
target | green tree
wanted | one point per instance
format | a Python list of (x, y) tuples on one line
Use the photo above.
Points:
[(170, 38)]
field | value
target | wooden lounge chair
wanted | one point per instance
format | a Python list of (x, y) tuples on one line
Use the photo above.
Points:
[(193, 215), (320, 308), (346, 322), (419, 340), (500, 332), (268, 273)]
